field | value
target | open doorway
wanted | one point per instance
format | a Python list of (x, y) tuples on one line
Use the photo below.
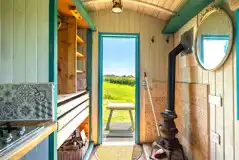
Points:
[(118, 88)]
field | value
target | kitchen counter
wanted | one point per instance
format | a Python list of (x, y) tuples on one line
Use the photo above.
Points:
[(22, 149)]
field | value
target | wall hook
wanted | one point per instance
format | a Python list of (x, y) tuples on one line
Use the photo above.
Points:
[(152, 39), (167, 39)]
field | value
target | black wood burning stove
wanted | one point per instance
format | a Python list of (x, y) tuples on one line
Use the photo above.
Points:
[(168, 141)]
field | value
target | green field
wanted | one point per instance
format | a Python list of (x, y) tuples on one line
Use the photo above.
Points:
[(117, 93)]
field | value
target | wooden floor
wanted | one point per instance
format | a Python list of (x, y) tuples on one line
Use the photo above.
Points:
[(118, 133), (143, 157), (119, 126), (121, 134)]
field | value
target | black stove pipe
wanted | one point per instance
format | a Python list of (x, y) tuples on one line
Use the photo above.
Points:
[(171, 75)]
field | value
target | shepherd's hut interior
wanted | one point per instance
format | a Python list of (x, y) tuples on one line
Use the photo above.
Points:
[(119, 79)]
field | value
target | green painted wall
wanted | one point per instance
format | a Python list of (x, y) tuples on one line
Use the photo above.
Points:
[(24, 49)]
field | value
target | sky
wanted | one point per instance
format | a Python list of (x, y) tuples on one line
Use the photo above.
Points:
[(119, 56), (214, 52)]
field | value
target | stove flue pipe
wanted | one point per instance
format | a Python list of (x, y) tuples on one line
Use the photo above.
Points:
[(185, 47), (171, 75)]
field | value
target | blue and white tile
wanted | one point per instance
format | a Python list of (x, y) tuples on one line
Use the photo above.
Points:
[(20, 102)]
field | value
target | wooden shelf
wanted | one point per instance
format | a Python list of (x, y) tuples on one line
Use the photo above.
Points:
[(80, 55), (65, 119), (75, 12), (79, 40), (66, 97), (63, 8), (80, 71), (71, 103), (67, 130), (73, 66), (71, 114)]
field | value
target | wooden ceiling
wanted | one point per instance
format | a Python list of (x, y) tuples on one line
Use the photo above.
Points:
[(162, 9)]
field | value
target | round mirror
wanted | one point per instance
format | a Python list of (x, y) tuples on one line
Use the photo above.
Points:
[(214, 39)]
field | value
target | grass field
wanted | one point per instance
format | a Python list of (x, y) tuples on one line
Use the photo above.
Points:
[(117, 93)]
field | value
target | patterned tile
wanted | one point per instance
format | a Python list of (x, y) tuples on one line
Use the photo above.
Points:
[(19, 102)]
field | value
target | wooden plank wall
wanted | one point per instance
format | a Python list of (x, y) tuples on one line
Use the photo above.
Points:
[(24, 48), (159, 98), (153, 56), (221, 83), (191, 106), (24, 41)]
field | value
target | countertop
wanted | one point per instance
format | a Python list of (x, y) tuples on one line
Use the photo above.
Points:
[(28, 145)]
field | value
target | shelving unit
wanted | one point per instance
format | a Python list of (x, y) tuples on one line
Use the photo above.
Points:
[(79, 56), (73, 103), (71, 57), (71, 115)]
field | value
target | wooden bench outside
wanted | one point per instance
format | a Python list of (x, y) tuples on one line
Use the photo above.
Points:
[(120, 106)]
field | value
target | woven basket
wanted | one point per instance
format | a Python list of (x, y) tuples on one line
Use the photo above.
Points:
[(72, 152), (70, 155)]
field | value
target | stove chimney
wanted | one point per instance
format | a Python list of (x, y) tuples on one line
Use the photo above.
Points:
[(185, 47)]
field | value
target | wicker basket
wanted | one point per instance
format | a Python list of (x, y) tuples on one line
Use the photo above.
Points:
[(70, 155), (69, 151)]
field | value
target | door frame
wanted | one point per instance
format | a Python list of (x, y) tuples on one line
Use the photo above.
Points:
[(137, 81), (53, 73), (237, 62)]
